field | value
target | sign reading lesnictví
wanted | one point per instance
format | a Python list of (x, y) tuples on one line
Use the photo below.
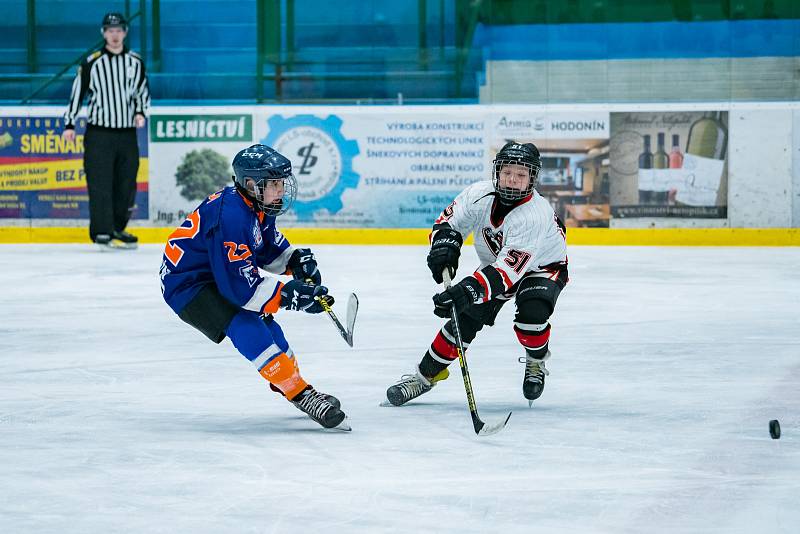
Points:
[(188, 128)]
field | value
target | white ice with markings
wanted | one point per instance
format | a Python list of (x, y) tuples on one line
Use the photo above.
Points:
[(668, 364)]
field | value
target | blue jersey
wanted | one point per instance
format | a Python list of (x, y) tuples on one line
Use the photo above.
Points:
[(225, 241)]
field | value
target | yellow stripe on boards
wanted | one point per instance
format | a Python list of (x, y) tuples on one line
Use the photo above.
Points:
[(768, 237)]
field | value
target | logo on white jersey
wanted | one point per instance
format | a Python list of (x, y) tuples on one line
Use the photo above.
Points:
[(493, 240)]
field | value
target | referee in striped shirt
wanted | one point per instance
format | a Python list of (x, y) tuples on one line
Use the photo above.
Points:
[(115, 81)]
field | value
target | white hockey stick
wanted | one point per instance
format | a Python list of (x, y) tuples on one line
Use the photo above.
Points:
[(352, 312)]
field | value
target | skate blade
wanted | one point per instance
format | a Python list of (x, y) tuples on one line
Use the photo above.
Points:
[(386, 404), (530, 404), (116, 246), (344, 426)]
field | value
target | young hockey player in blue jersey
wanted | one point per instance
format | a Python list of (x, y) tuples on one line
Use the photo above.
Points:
[(210, 275)]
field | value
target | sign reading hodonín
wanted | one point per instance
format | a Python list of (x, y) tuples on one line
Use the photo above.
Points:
[(323, 160), (41, 173)]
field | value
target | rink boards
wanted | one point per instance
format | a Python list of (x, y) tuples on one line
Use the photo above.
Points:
[(416, 236)]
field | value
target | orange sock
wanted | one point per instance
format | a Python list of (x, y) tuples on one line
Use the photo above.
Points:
[(283, 373)]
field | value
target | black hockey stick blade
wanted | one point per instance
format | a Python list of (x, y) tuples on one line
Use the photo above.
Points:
[(488, 430)]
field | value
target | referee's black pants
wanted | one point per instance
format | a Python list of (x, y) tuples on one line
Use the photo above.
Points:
[(111, 161)]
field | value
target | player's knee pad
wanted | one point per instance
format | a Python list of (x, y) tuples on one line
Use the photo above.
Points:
[(533, 311), (535, 299), (469, 325), (483, 314)]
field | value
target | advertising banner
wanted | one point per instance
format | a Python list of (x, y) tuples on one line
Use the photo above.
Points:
[(669, 164), (41, 174), (191, 155), (398, 167), (389, 169), (574, 151), (356, 168)]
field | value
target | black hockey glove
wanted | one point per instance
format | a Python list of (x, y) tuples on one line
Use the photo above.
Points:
[(304, 266), (463, 296), (299, 296), (444, 253)]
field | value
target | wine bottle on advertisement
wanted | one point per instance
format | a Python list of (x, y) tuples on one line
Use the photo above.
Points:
[(708, 137), (704, 161), (645, 163), (646, 157), (660, 158), (675, 156), (660, 161)]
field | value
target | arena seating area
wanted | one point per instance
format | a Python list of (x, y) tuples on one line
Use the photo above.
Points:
[(424, 51)]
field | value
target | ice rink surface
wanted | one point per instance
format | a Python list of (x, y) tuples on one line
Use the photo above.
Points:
[(668, 364)]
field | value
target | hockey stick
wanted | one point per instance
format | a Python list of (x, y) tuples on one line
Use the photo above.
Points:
[(352, 311), (481, 428)]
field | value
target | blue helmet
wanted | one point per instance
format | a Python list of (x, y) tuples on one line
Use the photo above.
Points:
[(513, 153), (257, 164)]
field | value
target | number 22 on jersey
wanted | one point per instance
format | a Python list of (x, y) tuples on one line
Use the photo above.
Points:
[(172, 251)]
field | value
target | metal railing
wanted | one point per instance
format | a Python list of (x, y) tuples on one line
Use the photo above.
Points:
[(57, 76), (276, 53)]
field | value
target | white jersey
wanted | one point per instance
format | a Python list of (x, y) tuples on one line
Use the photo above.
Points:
[(527, 240)]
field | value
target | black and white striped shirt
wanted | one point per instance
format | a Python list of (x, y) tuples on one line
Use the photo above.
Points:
[(117, 89)]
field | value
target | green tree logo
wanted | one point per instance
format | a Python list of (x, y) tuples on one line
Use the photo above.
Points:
[(201, 173)]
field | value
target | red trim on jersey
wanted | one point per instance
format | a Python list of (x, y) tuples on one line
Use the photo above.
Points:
[(443, 348), (506, 279), (494, 205), (532, 341), (487, 290), (524, 200)]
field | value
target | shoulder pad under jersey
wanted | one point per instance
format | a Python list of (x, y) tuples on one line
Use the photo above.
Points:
[(94, 55)]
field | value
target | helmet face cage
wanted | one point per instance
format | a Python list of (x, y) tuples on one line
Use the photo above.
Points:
[(509, 193), (278, 207)]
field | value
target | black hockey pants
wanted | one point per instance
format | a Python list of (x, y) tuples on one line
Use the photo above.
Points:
[(111, 161), (535, 299)]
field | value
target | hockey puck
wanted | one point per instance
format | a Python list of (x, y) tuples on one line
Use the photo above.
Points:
[(775, 429)]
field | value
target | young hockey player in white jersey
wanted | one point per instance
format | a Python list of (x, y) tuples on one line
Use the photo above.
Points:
[(521, 245)]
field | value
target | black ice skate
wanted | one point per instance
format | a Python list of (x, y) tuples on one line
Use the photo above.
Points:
[(322, 408), (412, 386), (330, 398), (116, 241), (125, 240), (535, 371)]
